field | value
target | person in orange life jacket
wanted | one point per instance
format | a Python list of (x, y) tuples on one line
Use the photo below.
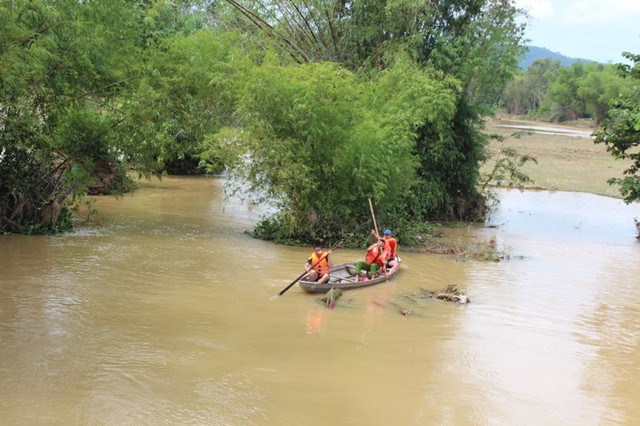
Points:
[(320, 258), (391, 247), (373, 261)]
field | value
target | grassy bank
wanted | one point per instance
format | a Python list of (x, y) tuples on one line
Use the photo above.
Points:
[(565, 163)]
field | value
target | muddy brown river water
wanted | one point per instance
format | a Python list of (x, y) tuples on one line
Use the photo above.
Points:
[(163, 313)]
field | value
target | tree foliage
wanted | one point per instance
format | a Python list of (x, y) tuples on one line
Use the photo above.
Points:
[(473, 45), (527, 91), (620, 132), (548, 91), (320, 142), (55, 81), (317, 105), (67, 70), (476, 41), (186, 91)]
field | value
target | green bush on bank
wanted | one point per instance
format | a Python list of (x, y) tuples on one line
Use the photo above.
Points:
[(318, 127)]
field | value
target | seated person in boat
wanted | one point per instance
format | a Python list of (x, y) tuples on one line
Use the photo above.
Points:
[(319, 264), (373, 261)]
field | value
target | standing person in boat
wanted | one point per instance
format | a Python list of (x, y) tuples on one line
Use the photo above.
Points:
[(390, 247), (320, 258), (373, 261)]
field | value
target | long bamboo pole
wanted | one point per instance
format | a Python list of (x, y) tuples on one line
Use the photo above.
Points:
[(373, 215)]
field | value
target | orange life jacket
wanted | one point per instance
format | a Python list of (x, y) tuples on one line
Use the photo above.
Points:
[(391, 247), (322, 267), (373, 255)]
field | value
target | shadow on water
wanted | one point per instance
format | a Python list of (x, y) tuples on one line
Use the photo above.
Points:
[(163, 312)]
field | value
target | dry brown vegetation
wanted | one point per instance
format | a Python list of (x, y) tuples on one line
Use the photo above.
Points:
[(564, 163)]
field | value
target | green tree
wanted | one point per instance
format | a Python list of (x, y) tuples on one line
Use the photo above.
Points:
[(516, 99), (561, 102), (620, 132), (548, 91), (319, 142), (187, 91), (474, 42), (66, 70), (58, 71), (598, 88), (526, 93)]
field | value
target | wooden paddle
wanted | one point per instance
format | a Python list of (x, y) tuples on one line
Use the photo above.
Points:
[(312, 266)]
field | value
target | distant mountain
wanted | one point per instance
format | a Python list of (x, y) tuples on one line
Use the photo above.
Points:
[(536, 53)]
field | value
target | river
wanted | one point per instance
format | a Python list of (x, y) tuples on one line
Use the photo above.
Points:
[(163, 312)]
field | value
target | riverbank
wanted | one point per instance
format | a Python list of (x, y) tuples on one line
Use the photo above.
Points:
[(567, 158)]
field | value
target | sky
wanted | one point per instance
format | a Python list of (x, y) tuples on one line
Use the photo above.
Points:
[(599, 30)]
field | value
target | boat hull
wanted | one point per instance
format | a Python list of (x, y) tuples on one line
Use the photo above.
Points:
[(343, 277)]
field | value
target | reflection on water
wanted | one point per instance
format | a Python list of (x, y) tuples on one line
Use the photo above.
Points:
[(317, 320), (163, 312)]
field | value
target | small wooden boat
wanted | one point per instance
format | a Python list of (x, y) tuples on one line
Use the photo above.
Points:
[(343, 277)]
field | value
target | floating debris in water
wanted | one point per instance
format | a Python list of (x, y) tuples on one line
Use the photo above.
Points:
[(406, 312), (483, 250), (332, 297), (453, 293)]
